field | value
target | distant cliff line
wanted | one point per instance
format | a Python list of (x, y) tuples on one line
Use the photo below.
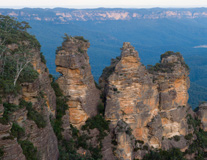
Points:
[(64, 15)]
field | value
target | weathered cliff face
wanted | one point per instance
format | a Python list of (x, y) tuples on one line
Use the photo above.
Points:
[(131, 96), (202, 114), (152, 103), (12, 150), (42, 97), (171, 75), (77, 82)]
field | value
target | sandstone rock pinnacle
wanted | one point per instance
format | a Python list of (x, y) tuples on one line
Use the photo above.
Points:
[(77, 82)]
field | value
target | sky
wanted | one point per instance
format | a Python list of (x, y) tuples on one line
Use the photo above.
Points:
[(102, 3)]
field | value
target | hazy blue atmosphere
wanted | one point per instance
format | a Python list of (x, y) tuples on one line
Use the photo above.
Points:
[(150, 35)]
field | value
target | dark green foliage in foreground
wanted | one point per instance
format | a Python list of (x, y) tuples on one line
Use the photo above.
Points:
[(189, 136), (172, 154), (29, 150), (17, 131), (33, 114), (57, 89), (101, 108), (200, 143), (68, 151), (97, 122), (176, 138), (8, 109), (61, 107), (1, 153), (193, 123)]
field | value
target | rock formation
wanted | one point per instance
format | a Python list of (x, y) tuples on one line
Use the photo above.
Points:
[(171, 75), (76, 81), (151, 104), (144, 109), (202, 114), (42, 97)]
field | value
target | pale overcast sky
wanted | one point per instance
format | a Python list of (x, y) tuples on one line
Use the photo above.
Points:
[(102, 3)]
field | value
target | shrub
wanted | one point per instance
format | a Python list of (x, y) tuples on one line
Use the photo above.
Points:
[(95, 152), (29, 150), (8, 109), (81, 38), (61, 107), (97, 85), (145, 147), (28, 75), (1, 153), (58, 91), (33, 114), (75, 131), (17, 131), (101, 108), (80, 50), (176, 138), (139, 141), (129, 131), (98, 122), (43, 60), (189, 136), (171, 154), (193, 122), (82, 141)]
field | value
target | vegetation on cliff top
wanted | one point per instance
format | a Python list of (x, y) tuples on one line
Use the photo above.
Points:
[(167, 67), (16, 54)]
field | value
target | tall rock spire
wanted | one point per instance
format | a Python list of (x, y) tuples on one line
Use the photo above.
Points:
[(77, 82)]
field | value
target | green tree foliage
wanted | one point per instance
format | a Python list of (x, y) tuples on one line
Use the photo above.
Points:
[(61, 107), (172, 154), (33, 114), (16, 46), (1, 153), (17, 131), (29, 150), (8, 109), (98, 122), (200, 143)]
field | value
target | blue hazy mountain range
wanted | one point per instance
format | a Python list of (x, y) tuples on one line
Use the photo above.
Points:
[(151, 31)]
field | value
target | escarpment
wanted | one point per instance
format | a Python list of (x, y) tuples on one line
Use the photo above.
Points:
[(151, 103), (43, 98), (76, 81), (33, 108), (27, 100)]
